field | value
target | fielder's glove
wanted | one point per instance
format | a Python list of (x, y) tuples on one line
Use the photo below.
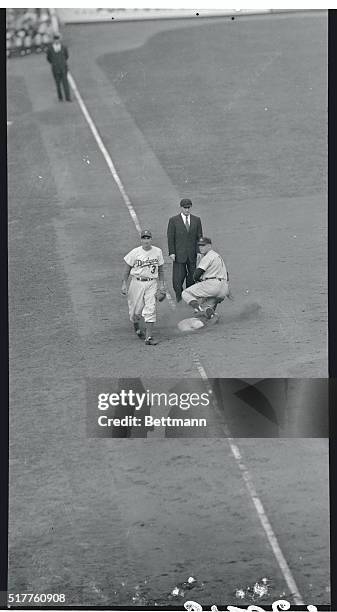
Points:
[(160, 295)]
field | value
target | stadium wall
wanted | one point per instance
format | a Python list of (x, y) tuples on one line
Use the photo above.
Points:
[(91, 15), (31, 30)]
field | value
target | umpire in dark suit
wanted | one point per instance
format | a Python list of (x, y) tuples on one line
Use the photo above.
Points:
[(183, 233), (57, 56)]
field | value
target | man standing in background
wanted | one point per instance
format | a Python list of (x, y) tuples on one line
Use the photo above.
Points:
[(57, 56), (183, 233)]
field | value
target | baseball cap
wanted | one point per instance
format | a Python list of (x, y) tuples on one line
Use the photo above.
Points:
[(146, 234), (186, 203), (204, 240)]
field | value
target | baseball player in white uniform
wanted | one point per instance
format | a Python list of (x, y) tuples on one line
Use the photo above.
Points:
[(144, 265), (211, 281)]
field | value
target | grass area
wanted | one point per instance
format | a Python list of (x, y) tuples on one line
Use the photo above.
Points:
[(232, 109)]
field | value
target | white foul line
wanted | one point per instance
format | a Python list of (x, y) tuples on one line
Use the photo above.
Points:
[(105, 153), (234, 448), (283, 565), (272, 539)]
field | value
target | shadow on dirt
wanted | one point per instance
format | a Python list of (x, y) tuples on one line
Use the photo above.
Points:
[(168, 326), (248, 311)]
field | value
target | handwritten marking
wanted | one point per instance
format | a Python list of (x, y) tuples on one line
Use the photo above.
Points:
[(280, 604)]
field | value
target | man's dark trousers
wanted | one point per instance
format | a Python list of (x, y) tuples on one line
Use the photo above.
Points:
[(61, 78), (179, 273)]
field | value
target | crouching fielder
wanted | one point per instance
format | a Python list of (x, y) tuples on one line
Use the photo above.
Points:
[(211, 281), (144, 265)]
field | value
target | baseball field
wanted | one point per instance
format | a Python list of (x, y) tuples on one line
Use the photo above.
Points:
[(233, 115)]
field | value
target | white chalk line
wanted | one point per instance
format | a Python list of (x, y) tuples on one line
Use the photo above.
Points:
[(105, 153), (272, 539), (261, 513)]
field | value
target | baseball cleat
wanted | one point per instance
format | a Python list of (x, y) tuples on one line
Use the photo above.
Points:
[(209, 312), (199, 311), (151, 341)]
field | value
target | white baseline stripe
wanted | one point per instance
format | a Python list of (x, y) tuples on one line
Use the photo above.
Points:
[(272, 539), (105, 153), (234, 448), (283, 565)]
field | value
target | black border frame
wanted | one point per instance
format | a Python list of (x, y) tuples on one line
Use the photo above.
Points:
[(4, 352), (4, 355)]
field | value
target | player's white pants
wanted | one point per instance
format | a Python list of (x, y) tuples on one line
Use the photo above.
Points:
[(142, 300), (206, 291)]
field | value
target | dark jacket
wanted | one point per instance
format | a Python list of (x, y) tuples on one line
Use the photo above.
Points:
[(183, 243), (58, 60)]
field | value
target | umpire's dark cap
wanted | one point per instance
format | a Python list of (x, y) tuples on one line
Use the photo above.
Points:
[(146, 234), (186, 203), (204, 240)]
